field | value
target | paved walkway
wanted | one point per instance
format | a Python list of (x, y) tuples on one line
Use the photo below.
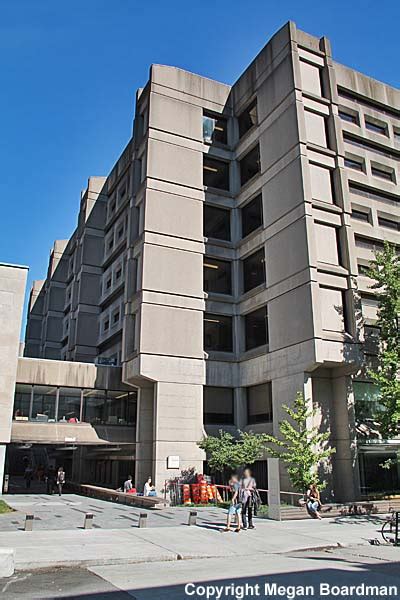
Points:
[(80, 547), (68, 512)]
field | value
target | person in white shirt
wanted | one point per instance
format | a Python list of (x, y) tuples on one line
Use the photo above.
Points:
[(148, 488)]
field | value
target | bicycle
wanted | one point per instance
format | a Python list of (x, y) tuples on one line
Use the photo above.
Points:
[(389, 530)]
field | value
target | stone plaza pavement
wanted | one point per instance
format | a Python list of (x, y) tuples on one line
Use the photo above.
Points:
[(58, 538)]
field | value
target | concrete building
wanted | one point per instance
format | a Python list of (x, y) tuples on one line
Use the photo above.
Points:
[(219, 269)]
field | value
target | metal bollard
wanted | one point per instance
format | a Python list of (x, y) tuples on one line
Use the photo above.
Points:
[(142, 520), (192, 517), (88, 521), (28, 522), (6, 484)]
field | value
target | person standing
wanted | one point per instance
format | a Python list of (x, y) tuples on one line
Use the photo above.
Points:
[(235, 509), (60, 480), (248, 488)]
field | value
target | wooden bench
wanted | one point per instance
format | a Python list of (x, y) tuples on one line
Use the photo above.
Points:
[(102, 493)]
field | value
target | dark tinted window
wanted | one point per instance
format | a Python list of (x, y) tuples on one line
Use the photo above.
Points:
[(349, 117), (250, 165), (375, 127), (254, 270), (256, 328), (377, 172), (252, 216), (259, 403), (248, 118), (217, 276), (218, 333), (360, 215), (218, 405), (217, 222), (389, 223), (215, 173), (371, 335), (214, 129), (353, 164)]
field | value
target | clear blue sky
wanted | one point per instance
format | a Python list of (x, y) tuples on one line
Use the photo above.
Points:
[(70, 69)]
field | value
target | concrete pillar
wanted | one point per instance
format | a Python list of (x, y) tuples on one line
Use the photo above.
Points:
[(12, 291), (345, 473), (2, 466), (178, 427), (144, 437), (274, 490)]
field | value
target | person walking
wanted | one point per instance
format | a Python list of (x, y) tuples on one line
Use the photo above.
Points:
[(28, 475), (313, 501), (235, 509), (60, 480), (248, 488)]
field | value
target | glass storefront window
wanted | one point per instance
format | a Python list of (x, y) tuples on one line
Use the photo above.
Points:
[(94, 406), (44, 403), (22, 402), (69, 405)]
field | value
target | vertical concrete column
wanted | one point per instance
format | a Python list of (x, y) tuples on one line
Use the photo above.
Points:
[(2, 466), (240, 407), (274, 490), (144, 437), (345, 473), (178, 429), (12, 291)]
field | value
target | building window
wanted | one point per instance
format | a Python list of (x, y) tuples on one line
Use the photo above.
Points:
[(248, 118), (252, 215), (371, 337), (349, 117), (256, 328), (44, 403), (22, 402), (217, 223), (376, 126), (218, 333), (69, 405), (396, 134), (389, 223), (93, 406), (116, 317), (110, 244), (120, 408), (217, 276), (259, 403), (218, 406), (382, 172), (118, 273), (120, 232), (106, 325), (360, 215), (214, 129), (254, 270), (350, 163), (215, 173), (108, 283), (250, 165)]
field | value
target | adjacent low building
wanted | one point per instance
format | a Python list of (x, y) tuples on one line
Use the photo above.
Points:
[(218, 270)]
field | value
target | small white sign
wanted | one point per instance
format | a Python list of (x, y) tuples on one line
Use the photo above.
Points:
[(173, 462), (70, 439)]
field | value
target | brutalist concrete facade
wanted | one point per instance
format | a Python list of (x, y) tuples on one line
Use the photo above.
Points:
[(320, 143)]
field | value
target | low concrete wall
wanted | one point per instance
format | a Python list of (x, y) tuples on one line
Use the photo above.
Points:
[(120, 497)]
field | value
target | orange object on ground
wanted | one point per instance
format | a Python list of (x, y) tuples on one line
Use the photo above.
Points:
[(195, 489), (186, 493), (217, 494), (210, 493), (203, 493)]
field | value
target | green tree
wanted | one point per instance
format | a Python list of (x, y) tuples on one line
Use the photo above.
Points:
[(225, 452), (301, 447), (385, 271)]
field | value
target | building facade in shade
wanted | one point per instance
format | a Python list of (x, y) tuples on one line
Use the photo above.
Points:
[(219, 268)]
